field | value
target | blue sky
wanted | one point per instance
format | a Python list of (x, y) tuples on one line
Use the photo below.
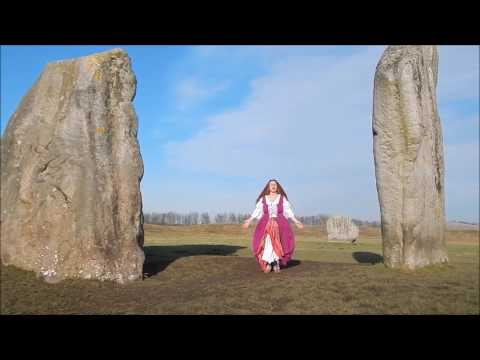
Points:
[(216, 122)]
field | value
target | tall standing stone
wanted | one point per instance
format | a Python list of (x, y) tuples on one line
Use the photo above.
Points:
[(408, 153), (71, 168)]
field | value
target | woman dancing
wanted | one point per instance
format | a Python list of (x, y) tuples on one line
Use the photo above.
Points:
[(273, 240)]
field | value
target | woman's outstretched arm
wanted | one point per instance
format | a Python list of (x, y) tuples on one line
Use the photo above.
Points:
[(256, 214), (287, 209)]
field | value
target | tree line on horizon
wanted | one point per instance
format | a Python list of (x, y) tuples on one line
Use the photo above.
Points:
[(204, 218)]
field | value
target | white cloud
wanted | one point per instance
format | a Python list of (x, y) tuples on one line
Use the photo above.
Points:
[(191, 91), (307, 122), (306, 108), (309, 119)]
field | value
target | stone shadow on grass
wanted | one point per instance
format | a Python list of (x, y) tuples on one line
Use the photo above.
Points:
[(365, 257), (158, 257)]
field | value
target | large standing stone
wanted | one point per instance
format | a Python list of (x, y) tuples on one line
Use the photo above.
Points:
[(408, 153), (71, 172), (341, 228)]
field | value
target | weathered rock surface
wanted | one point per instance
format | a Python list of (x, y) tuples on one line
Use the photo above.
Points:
[(341, 228), (408, 153), (71, 168)]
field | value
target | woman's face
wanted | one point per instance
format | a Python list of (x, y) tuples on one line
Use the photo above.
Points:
[(272, 186)]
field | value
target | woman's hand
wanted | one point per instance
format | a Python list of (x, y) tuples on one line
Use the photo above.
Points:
[(299, 224), (246, 223)]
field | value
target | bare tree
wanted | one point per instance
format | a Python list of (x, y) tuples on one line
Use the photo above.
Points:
[(242, 217), (232, 218), (155, 218), (146, 218), (221, 218), (194, 218), (205, 218)]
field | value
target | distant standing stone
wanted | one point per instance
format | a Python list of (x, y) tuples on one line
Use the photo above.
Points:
[(341, 228), (71, 171), (408, 153)]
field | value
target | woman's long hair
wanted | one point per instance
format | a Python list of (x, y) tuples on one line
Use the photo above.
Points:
[(266, 190)]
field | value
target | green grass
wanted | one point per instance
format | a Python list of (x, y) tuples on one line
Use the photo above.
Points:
[(210, 270)]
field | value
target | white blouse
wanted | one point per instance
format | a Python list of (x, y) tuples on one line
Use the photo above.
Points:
[(272, 208)]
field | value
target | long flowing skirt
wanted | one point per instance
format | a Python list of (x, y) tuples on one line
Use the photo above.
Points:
[(270, 248)]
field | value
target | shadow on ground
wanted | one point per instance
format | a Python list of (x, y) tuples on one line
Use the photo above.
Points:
[(157, 258), (293, 263), (365, 257)]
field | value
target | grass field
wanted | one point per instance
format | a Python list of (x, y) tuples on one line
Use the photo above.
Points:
[(209, 269)]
